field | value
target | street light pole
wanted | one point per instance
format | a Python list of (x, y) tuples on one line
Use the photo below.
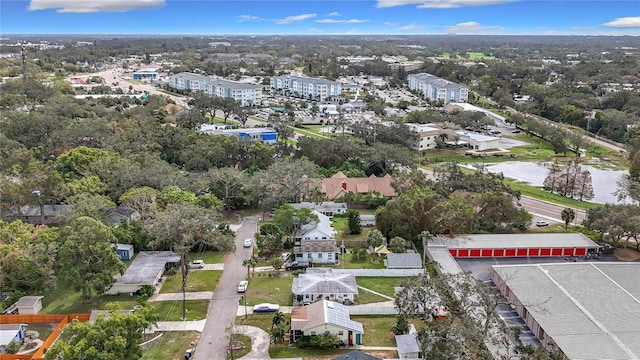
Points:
[(245, 305)]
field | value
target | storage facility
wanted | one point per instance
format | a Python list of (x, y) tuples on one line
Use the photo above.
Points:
[(517, 245)]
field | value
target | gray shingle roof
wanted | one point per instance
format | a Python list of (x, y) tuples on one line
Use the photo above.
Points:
[(404, 261), (356, 355), (407, 343), (146, 266)]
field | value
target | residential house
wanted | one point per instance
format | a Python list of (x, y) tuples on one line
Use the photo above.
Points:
[(315, 242), (435, 88), (339, 184), (477, 141), (429, 133), (403, 261), (367, 220), (124, 251), (33, 214), (326, 317), (322, 283), (408, 347), (145, 269), (9, 333), (356, 355), (327, 208), (121, 215)]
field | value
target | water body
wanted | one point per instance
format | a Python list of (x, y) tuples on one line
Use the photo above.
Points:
[(604, 181)]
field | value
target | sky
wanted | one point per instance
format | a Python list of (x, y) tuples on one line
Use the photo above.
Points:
[(329, 17)]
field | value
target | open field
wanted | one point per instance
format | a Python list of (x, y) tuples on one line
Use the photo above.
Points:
[(65, 300), (270, 289), (170, 346), (201, 280), (172, 310)]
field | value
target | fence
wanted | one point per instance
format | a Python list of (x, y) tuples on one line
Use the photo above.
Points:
[(62, 320), (380, 272), (372, 310)]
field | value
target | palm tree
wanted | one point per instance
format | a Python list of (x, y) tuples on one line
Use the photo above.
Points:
[(568, 214), (249, 263), (278, 318)]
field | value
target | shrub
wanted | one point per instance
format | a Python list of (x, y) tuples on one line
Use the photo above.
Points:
[(323, 341)]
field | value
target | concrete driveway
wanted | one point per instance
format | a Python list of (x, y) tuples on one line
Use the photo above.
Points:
[(259, 343)]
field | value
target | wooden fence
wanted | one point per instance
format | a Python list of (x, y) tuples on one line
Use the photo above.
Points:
[(62, 320)]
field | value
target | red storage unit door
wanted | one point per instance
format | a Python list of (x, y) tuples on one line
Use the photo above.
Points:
[(545, 252), (453, 252), (556, 252), (521, 252), (534, 252), (474, 252), (463, 252), (498, 252), (487, 252), (568, 252), (510, 252), (581, 252)]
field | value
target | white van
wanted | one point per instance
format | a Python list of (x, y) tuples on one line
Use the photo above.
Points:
[(242, 286)]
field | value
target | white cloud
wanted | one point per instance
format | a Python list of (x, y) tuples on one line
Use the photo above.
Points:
[(472, 27), (389, 23), (336, 21), (90, 6), (294, 18), (624, 22), (243, 18), (335, 13), (410, 27), (439, 4)]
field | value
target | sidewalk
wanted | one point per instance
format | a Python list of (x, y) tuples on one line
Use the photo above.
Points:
[(202, 295), (195, 325)]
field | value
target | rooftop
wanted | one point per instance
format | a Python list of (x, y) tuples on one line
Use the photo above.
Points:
[(146, 266), (407, 343), (324, 281), (8, 332), (323, 312), (590, 310), (475, 136), (404, 261), (515, 241)]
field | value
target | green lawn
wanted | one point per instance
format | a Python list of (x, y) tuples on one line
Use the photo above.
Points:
[(365, 297), (172, 310), (478, 56), (347, 262), (209, 257), (377, 329), (271, 289), (246, 342), (200, 280), (341, 226), (383, 285), (43, 329), (539, 193), (64, 300), (263, 321), (170, 346)]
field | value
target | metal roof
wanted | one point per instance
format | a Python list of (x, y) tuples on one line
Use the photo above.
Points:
[(518, 241), (324, 281), (8, 332), (407, 344), (145, 268), (321, 313), (590, 310), (404, 261)]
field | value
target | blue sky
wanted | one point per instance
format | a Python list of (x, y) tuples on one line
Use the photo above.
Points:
[(517, 17)]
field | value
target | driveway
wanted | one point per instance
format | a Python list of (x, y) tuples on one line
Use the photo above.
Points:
[(259, 343), (224, 307)]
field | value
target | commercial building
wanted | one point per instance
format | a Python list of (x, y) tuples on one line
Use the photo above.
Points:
[(477, 141), (246, 94), (429, 133), (263, 135), (435, 88), (145, 74), (587, 310), (306, 87)]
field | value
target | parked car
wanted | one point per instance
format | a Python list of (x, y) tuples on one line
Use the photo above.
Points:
[(541, 223), (265, 308), (296, 265), (197, 264), (242, 286), (516, 131), (247, 243), (285, 256)]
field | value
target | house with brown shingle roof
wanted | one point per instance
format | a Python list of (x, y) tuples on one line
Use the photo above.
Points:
[(339, 184)]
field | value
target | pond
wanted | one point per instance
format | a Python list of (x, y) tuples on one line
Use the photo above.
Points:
[(604, 181)]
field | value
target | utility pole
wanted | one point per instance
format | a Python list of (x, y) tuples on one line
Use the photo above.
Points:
[(183, 267), (23, 54)]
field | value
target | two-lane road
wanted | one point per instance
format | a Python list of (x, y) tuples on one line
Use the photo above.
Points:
[(549, 211), (224, 307)]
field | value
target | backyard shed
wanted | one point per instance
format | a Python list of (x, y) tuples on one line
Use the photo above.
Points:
[(404, 261), (408, 347), (145, 269), (125, 251)]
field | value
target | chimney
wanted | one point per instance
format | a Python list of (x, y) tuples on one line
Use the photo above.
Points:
[(344, 185)]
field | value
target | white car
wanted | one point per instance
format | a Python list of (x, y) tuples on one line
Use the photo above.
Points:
[(542, 223), (197, 264), (242, 286), (247, 243)]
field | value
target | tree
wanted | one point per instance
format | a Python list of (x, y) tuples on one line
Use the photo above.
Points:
[(87, 260), (94, 206), (116, 336), (249, 263), (278, 319), (358, 254), (567, 215), (374, 239), (397, 245), (354, 221), (402, 325), (288, 180), (291, 220), (228, 184), (276, 263)]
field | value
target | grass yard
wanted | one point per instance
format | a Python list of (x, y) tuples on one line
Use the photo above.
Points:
[(365, 297), (170, 346), (43, 329), (377, 329), (383, 285), (172, 310), (347, 262), (270, 289), (538, 193), (64, 300), (246, 343), (200, 280), (478, 56), (340, 224), (262, 321), (209, 257)]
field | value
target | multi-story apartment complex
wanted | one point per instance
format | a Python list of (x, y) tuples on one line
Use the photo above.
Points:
[(306, 87), (246, 94), (435, 88)]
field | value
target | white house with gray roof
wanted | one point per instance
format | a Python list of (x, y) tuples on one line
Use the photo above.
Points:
[(326, 317), (321, 283), (246, 94), (306, 87), (315, 242), (435, 88)]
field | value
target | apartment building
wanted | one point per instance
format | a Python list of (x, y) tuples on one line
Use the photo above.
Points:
[(246, 94), (306, 87), (435, 88)]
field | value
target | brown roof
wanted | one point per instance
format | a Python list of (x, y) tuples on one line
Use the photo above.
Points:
[(305, 317), (318, 245), (339, 184)]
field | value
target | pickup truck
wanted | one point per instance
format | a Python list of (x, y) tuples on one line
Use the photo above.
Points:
[(296, 265)]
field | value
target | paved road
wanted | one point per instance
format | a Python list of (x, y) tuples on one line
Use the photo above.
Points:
[(548, 211), (223, 309), (112, 76)]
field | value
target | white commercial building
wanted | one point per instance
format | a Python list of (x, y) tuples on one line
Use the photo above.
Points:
[(435, 88), (478, 141), (246, 94), (306, 87)]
